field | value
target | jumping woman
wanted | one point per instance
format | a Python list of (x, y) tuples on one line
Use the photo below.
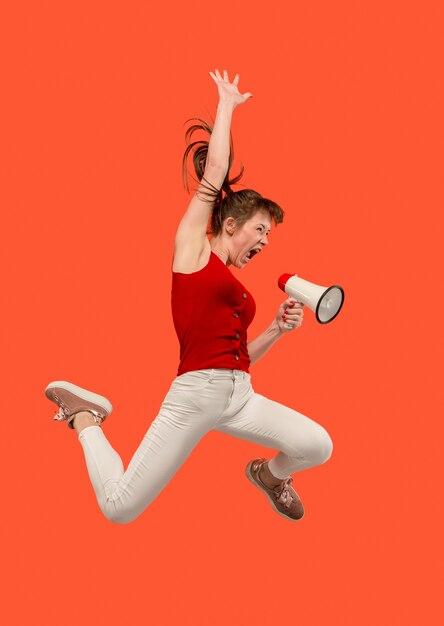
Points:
[(211, 312)]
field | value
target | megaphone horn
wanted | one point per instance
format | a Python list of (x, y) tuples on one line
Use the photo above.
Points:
[(326, 302)]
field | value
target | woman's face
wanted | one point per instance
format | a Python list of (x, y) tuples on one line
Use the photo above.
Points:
[(250, 238)]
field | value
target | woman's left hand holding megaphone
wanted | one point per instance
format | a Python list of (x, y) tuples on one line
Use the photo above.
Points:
[(290, 314)]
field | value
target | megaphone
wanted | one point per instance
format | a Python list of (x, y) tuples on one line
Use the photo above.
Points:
[(326, 302)]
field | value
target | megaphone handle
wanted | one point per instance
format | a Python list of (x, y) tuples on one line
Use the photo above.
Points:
[(289, 326)]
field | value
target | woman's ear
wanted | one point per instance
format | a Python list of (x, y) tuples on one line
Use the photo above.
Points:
[(231, 225)]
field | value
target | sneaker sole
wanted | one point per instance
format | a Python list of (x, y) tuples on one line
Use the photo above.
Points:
[(251, 479), (90, 396)]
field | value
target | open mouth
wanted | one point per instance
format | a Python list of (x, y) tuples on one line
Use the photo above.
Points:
[(250, 254)]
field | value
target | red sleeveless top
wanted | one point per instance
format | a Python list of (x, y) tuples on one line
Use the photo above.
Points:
[(211, 313)]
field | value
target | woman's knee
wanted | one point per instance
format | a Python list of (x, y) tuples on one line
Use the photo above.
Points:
[(118, 514), (325, 445), (119, 518), (315, 448)]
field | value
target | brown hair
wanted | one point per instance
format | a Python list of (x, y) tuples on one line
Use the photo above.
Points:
[(241, 205)]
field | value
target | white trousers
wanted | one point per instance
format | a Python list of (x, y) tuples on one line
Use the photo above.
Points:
[(197, 402)]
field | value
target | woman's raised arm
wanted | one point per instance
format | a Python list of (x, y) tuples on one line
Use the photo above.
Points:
[(192, 230)]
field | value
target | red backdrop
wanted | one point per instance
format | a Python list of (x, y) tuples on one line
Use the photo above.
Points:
[(344, 132)]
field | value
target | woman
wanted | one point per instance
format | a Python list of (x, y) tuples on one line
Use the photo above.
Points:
[(212, 391)]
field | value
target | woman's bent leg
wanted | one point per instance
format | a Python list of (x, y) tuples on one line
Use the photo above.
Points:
[(190, 409), (302, 443), (124, 495)]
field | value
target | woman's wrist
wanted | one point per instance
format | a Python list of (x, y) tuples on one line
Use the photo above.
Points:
[(277, 329), (226, 104)]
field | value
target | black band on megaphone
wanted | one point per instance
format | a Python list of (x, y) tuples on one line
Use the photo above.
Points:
[(321, 299)]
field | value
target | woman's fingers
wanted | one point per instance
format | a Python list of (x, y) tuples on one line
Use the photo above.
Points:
[(217, 76), (229, 92), (293, 318), (293, 314), (294, 309)]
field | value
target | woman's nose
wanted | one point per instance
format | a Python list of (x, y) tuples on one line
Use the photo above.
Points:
[(264, 240)]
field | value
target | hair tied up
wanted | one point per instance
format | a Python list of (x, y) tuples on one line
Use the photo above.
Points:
[(241, 205), (200, 156)]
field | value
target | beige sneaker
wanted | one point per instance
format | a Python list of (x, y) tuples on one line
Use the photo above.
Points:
[(71, 399), (283, 498)]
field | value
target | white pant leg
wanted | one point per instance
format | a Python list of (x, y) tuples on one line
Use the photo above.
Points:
[(188, 412), (302, 443)]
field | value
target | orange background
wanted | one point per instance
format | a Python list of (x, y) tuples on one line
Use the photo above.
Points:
[(344, 132)]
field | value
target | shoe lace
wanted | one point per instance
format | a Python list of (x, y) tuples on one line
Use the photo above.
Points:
[(60, 414), (283, 492)]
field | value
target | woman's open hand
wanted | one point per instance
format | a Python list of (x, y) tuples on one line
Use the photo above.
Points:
[(228, 92), (290, 312)]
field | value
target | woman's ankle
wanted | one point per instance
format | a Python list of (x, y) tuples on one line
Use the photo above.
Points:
[(83, 419), (267, 477)]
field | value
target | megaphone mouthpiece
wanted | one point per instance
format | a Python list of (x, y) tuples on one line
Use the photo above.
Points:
[(283, 280)]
